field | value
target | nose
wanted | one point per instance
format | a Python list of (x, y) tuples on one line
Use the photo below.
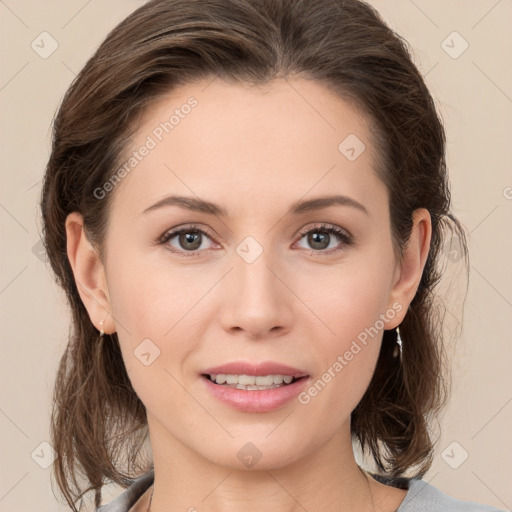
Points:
[(257, 299)]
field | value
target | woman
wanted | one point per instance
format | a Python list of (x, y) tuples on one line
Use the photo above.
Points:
[(245, 203)]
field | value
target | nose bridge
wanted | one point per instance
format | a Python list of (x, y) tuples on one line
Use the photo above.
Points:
[(256, 284), (257, 301)]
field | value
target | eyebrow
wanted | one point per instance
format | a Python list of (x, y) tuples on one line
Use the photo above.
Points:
[(298, 207)]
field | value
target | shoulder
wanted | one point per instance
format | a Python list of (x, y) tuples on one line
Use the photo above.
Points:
[(423, 497), (129, 496)]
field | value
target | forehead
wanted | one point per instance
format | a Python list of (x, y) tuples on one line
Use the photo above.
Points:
[(224, 141)]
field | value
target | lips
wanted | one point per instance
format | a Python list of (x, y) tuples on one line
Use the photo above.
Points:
[(260, 369), (254, 398)]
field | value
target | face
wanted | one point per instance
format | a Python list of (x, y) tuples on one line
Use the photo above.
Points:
[(268, 276)]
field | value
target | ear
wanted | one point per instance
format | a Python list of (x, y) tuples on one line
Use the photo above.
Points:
[(89, 274), (408, 272)]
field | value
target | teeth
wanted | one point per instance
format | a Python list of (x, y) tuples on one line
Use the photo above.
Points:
[(245, 380), (256, 388), (252, 381), (231, 379), (265, 381)]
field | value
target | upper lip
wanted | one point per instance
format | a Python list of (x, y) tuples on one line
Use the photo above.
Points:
[(260, 369)]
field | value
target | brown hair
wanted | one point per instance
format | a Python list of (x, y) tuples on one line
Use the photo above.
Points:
[(98, 421)]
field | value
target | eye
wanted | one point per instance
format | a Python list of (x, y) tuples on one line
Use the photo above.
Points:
[(322, 238), (189, 240), (186, 241)]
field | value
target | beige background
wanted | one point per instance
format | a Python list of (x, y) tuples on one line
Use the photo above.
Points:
[(474, 93)]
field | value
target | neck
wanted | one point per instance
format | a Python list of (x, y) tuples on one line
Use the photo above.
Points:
[(327, 478)]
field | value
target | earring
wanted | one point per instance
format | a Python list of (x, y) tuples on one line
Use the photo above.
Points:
[(102, 332), (398, 347)]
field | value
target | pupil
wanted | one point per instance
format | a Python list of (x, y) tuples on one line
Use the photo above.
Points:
[(190, 238), (319, 240)]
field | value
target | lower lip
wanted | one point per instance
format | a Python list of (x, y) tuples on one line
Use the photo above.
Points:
[(264, 400)]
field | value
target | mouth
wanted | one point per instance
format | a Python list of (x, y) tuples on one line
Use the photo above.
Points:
[(256, 388), (252, 382)]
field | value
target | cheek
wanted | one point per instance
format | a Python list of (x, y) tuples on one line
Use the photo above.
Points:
[(347, 298), (150, 313), (152, 298), (351, 302)]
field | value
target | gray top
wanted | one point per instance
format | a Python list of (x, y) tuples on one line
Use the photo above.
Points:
[(420, 497)]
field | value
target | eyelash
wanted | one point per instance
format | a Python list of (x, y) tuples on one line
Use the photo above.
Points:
[(341, 234)]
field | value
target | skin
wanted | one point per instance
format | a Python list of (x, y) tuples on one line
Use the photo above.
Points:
[(253, 151)]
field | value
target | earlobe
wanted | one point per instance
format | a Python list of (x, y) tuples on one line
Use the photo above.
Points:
[(89, 274), (412, 265)]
